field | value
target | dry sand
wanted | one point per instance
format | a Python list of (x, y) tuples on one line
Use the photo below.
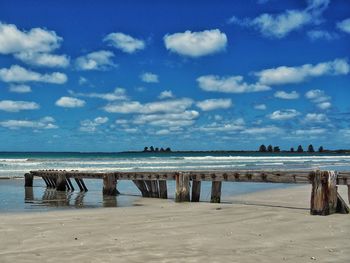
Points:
[(273, 226)]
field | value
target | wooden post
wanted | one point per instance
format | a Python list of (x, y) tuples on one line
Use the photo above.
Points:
[(70, 184), (182, 192), (28, 180), (163, 191), (142, 187), (83, 184), (109, 185), (148, 184), (325, 199), (46, 181), (61, 182), (196, 191), (79, 184), (348, 193), (155, 188), (215, 192)]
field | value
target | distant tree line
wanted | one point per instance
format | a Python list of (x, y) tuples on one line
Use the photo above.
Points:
[(156, 149), (300, 149)]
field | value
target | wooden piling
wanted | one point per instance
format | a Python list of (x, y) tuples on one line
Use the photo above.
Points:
[(182, 192), (155, 189), (148, 184), (109, 185), (61, 182), (163, 191), (79, 184), (28, 180), (325, 199), (83, 184), (46, 182), (215, 192), (348, 192), (196, 191), (70, 184)]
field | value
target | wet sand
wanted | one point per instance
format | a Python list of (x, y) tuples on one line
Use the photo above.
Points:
[(268, 226)]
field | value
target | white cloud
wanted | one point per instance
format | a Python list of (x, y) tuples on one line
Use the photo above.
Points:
[(287, 75), (213, 104), (231, 126), (167, 106), (98, 60), (44, 123), (124, 42), (316, 117), (149, 77), (196, 44), (13, 40), (172, 119), (232, 84), (117, 94), (166, 94), (92, 125), (20, 89), (321, 34), (313, 131), (286, 96), (43, 59), (260, 107), (163, 132), (82, 81), (281, 115), (16, 106), (280, 25), (319, 98), (18, 74), (69, 102), (344, 25), (268, 130)]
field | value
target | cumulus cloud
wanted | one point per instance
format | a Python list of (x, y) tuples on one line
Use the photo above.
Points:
[(20, 88), (231, 84), (117, 94), (281, 115), (286, 96), (43, 123), (18, 74), (344, 25), (312, 131), (149, 77), (196, 44), (319, 97), (16, 106), (13, 40), (166, 94), (321, 34), (280, 25), (230, 126), (166, 106), (124, 42), (316, 117), (98, 60), (43, 59), (260, 107), (92, 125), (214, 104), (287, 75), (69, 102)]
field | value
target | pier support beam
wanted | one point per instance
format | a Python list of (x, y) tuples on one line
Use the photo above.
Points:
[(196, 191), (325, 199), (28, 180), (182, 192), (109, 185), (348, 192), (215, 192), (61, 182), (142, 187), (163, 191), (155, 189)]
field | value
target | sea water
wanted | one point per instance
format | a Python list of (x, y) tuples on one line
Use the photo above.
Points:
[(14, 198)]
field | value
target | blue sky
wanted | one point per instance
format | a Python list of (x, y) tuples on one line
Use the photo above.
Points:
[(120, 75)]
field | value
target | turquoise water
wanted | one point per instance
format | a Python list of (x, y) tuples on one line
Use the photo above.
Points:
[(15, 198)]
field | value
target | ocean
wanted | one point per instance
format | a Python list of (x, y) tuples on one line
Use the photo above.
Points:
[(14, 198)]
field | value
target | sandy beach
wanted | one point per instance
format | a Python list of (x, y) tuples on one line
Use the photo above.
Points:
[(269, 226)]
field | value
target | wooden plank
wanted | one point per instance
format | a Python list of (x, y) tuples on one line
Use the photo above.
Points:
[(109, 185), (155, 189), (182, 192), (28, 178), (163, 190), (140, 184), (196, 191), (215, 192), (149, 187), (342, 207)]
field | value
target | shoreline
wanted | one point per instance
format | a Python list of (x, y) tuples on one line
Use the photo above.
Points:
[(276, 228)]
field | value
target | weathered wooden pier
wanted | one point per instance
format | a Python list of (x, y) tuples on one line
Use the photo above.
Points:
[(325, 198)]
